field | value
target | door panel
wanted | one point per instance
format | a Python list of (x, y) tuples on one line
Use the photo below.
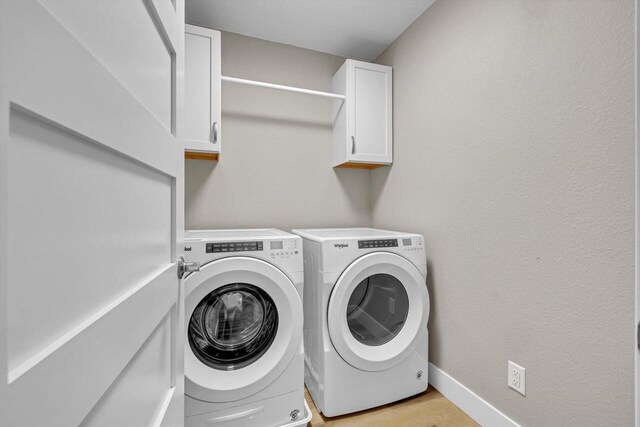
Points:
[(76, 370), (137, 397), (55, 170), (198, 88), (91, 216), (371, 112), (136, 54)]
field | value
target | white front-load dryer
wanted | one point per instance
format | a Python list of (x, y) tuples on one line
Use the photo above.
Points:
[(243, 324), (366, 308)]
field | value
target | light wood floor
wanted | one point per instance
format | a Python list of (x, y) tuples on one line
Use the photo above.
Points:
[(429, 409)]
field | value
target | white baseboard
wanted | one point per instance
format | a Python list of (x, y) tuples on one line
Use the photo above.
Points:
[(472, 404)]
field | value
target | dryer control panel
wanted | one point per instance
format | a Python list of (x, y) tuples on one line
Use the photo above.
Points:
[(382, 243)]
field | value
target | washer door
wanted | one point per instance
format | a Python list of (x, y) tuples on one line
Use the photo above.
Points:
[(243, 327), (378, 310)]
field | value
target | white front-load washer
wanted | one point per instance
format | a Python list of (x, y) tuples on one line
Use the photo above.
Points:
[(366, 308), (243, 317)]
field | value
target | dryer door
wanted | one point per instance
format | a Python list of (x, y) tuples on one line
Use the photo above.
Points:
[(243, 328), (378, 310)]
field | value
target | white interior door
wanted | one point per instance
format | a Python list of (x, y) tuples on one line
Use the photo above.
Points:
[(91, 218)]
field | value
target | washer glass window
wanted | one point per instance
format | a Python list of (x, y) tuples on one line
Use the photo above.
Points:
[(233, 326), (377, 309)]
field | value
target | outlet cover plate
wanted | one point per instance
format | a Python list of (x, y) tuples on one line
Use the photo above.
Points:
[(516, 378)]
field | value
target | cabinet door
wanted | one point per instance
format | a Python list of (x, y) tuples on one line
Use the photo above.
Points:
[(370, 124), (202, 90)]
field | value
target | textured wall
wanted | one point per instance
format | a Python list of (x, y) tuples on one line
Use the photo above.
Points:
[(514, 156), (275, 169)]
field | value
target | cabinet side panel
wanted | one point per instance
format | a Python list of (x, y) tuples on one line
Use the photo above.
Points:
[(216, 87), (339, 85)]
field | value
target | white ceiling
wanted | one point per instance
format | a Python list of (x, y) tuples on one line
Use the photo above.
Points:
[(357, 29)]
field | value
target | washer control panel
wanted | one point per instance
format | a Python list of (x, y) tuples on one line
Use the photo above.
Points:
[(234, 247), (383, 243), (283, 248)]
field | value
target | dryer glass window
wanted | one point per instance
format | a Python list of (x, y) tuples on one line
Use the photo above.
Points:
[(377, 309), (233, 326)]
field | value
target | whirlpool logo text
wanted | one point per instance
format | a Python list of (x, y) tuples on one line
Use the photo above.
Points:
[(340, 245)]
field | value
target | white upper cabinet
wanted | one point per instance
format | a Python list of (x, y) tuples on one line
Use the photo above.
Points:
[(202, 93), (363, 127)]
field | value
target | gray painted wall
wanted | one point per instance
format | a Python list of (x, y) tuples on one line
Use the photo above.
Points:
[(275, 169), (514, 156)]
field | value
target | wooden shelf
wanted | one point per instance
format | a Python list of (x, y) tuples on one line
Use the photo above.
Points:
[(195, 155), (354, 165)]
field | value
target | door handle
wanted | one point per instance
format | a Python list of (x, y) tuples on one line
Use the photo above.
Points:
[(353, 144), (214, 132), (185, 268)]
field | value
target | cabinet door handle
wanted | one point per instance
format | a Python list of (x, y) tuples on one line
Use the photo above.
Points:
[(214, 132), (353, 144)]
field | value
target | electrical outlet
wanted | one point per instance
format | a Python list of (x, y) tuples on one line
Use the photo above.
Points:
[(516, 377)]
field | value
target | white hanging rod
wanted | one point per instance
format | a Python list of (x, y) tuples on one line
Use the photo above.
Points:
[(281, 87)]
